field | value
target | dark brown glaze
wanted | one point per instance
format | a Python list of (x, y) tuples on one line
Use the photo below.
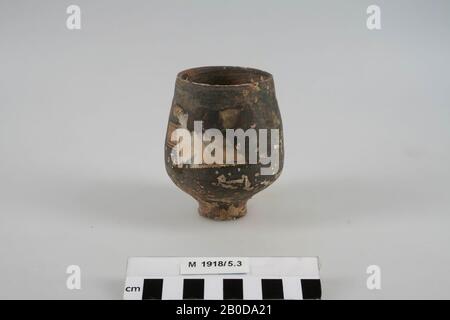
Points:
[(223, 98)]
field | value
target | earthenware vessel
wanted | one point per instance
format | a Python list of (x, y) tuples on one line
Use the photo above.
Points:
[(217, 167)]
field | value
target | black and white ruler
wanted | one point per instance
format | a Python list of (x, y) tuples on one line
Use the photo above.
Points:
[(222, 278)]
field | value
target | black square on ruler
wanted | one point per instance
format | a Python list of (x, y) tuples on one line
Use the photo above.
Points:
[(311, 289), (272, 289), (193, 288), (233, 289), (152, 289)]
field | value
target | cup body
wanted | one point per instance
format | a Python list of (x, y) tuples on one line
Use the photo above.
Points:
[(224, 140)]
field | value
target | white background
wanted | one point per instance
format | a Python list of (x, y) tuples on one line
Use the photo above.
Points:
[(83, 116)]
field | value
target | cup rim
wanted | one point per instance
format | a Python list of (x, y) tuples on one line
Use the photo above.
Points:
[(187, 76)]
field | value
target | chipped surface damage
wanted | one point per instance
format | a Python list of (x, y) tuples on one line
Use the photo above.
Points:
[(223, 98), (243, 183)]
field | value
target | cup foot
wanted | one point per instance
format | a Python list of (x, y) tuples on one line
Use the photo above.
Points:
[(222, 210)]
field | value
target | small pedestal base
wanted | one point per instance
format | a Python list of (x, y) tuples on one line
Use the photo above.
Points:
[(222, 210)]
